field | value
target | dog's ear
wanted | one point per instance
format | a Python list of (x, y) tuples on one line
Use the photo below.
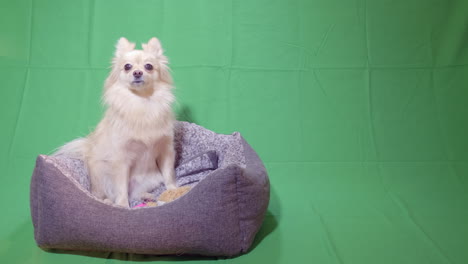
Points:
[(123, 46), (153, 46)]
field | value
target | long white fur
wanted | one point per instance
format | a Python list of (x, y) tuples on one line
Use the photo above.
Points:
[(131, 150)]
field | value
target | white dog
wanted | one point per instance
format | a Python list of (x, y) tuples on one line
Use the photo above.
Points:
[(131, 150)]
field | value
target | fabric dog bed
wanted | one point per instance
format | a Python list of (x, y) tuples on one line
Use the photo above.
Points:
[(219, 216)]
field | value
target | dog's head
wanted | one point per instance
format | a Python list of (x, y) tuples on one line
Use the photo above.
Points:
[(139, 70)]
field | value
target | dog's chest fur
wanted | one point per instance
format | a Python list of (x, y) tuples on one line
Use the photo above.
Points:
[(136, 125)]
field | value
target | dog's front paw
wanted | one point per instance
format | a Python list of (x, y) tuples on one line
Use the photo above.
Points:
[(148, 196), (171, 186)]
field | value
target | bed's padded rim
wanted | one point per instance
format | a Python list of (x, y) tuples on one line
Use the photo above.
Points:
[(207, 218), (253, 192)]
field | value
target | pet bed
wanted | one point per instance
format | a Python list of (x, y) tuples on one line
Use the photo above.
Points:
[(219, 216)]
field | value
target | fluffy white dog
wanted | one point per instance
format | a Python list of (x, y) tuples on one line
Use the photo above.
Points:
[(131, 150)]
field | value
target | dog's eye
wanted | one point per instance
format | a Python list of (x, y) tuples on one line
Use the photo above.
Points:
[(127, 67), (149, 67)]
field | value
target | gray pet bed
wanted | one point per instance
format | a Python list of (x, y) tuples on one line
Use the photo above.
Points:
[(218, 217)]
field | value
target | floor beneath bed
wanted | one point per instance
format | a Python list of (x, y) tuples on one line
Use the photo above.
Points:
[(340, 213)]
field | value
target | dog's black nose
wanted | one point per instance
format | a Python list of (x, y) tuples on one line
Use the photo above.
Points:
[(137, 74)]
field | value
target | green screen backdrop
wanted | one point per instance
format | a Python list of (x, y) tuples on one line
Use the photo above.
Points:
[(358, 108)]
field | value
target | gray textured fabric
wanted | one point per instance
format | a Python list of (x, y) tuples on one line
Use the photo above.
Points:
[(218, 217)]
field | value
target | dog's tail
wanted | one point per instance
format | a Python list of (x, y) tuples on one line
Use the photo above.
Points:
[(73, 149)]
